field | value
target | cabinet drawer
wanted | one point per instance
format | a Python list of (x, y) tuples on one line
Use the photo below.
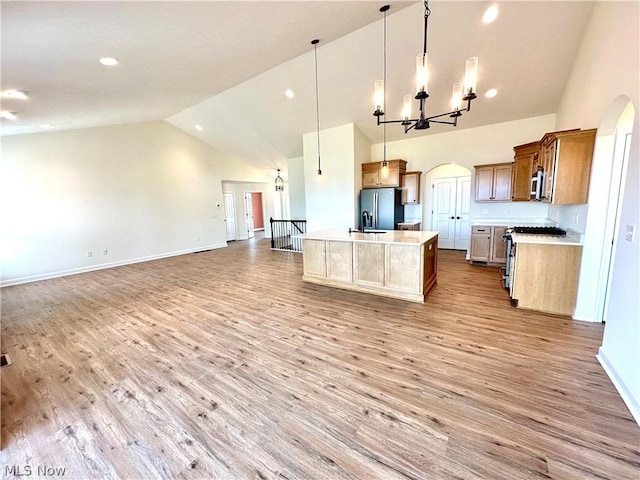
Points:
[(480, 229)]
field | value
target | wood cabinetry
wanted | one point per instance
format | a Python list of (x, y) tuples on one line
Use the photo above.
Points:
[(397, 264), (546, 277), (372, 174), (525, 165), (409, 226), (493, 182), (566, 158), (487, 244), (410, 183)]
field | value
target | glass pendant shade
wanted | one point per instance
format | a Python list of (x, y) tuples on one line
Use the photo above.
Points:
[(384, 171), (378, 97), (471, 75), (456, 99), (422, 67), (406, 107)]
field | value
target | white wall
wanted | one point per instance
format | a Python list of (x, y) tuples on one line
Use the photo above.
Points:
[(469, 147), (330, 197), (607, 67), (141, 191), (295, 185)]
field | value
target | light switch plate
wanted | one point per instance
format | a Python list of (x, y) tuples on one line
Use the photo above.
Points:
[(629, 233)]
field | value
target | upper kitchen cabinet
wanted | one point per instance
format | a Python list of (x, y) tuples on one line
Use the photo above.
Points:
[(410, 183), (525, 166), (566, 159), (372, 175), (493, 182)]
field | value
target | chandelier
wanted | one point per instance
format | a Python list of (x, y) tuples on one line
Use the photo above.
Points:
[(461, 91), (279, 182)]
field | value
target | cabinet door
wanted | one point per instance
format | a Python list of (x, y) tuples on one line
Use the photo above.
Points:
[(370, 179), (480, 244), (411, 188), (498, 245), (484, 184), (549, 163), (502, 183), (522, 173), (393, 179)]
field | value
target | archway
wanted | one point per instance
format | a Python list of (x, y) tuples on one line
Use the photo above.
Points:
[(446, 205)]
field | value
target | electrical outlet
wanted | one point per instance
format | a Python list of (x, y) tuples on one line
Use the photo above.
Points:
[(507, 210), (577, 218), (105, 251), (485, 211), (198, 238), (89, 253)]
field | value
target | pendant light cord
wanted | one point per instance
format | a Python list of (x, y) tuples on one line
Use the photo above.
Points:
[(384, 88), (315, 54)]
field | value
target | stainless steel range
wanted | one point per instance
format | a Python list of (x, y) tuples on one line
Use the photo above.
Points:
[(511, 246)]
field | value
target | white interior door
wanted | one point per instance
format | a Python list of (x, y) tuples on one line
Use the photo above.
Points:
[(463, 213), (444, 211), (248, 208), (229, 215)]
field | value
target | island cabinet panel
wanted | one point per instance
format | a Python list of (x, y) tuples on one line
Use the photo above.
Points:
[(430, 266), (400, 263), (340, 261), (369, 263), (401, 271), (314, 260)]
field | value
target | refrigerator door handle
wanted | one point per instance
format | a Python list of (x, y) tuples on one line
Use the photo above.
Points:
[(374, 220)]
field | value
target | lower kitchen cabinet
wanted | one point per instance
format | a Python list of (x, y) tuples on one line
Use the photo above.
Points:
[(545, 277), (487, 244)]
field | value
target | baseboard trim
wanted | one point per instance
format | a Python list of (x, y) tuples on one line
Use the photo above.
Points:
[(630, 400), (586, 316), (102, 266)]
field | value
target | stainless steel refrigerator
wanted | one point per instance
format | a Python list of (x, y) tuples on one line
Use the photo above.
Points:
[(381, 208)]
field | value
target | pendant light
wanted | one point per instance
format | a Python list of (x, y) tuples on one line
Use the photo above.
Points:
[(315, 55), (461, 92), (279, 182)]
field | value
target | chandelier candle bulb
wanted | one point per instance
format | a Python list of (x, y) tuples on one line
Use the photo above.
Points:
[(378, 97), (406, 108), (456, 100), (422, 75), (471, 75)]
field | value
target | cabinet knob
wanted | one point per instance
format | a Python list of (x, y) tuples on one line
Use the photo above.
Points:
[(452, 218)]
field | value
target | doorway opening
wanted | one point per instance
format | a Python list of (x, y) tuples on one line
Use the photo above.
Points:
[(447, 205)]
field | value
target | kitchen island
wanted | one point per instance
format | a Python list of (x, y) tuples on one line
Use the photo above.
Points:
[(398, 263)]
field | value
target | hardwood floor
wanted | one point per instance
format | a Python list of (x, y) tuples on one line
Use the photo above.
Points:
[(225, 365)]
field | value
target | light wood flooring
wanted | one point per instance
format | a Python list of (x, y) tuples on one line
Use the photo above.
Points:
[(225, 365)]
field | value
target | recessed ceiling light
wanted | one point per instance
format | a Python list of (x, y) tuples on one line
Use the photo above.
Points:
[(490, 14), (8, 115), (17, 94), (109, 61), (289, 93), (46, 126), (492, 92), (198, 127)]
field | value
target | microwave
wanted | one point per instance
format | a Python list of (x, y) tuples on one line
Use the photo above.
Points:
[(536, 184)]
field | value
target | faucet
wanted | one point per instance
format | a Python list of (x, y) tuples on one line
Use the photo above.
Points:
[(366, 218)]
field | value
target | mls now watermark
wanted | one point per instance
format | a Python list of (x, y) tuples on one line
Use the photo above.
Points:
[(38, 470)]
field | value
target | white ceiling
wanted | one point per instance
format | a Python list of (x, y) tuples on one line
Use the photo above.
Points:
[(225, 65)]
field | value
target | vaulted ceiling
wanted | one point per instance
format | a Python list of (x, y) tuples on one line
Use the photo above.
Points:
[(225, 65)]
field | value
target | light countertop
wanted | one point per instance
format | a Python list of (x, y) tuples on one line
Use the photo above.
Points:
[(391, 236), (511, 222), (570, 239)]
